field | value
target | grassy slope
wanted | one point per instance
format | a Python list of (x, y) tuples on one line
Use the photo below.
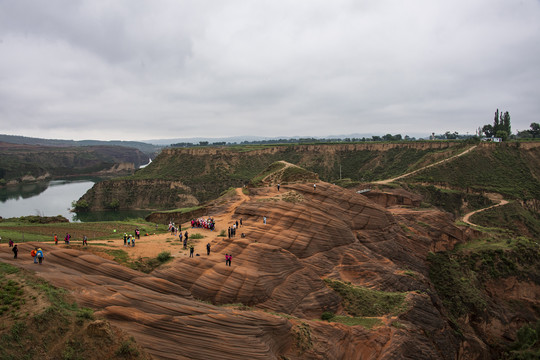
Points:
[(513, 217), (209, 174), (504, 169)]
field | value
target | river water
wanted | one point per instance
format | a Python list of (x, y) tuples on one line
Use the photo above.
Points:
[(54, 198)]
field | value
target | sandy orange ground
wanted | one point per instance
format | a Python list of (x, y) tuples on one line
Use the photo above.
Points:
[(150, 246)]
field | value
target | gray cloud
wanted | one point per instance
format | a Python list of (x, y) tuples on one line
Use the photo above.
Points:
[(138, 69)]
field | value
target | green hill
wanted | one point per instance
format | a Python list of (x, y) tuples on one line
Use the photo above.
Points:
[(204, 173)]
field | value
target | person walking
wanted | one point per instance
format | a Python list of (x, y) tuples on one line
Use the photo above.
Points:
[(85, 241), (208, 249), (33, 254), (191, 250), (226, 259), (180, 236), (55, 239), (10, 243), (278, 186), (133, 242), (15, 251), (230, 258), (125, 239), (39, 255), (264, 220), (314, 187)]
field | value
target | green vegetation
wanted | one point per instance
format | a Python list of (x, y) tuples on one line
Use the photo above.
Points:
[(459, 276), (347, 183), (35, 228), (303, 336), (527, 344), (182, 210), (513, 217), (503, 169), (80, 206), (361, 302), (37, 318), (450, 200), (146, 265), (207, 174), (196, 236), (274, 167), (127, 349), (164, 256), (456, 286)]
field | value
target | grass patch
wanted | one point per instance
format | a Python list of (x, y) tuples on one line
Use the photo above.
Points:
[(362, 302), (22, 231), (196, 236)]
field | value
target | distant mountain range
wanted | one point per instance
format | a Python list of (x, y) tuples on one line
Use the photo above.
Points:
[(153, 146), (148, 149)]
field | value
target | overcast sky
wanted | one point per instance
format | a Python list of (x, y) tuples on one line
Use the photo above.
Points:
[(140, 69)]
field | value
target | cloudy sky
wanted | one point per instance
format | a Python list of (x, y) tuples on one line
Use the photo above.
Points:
[(140, 69)]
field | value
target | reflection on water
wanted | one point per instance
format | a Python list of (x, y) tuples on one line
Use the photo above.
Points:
[(51, 198), (24, 191), (42, 198)]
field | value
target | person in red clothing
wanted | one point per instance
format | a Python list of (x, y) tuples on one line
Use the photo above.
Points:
[(55, 239)]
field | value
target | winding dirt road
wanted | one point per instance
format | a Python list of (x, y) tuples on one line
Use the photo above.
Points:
[(387, 181), (493, 197)]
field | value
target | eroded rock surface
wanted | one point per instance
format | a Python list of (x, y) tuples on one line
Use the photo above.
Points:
[(277, 273)]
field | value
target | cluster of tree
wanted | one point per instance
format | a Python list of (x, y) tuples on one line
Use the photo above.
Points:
[(500, 128), (534, 132), (451, 136), (387, 137)]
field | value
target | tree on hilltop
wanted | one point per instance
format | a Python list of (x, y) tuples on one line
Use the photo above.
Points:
[(535, 130), (501, 126)]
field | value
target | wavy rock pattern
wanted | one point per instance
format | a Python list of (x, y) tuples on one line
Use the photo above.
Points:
[(278, 267)]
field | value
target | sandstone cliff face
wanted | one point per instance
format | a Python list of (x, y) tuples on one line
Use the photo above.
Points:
[(145, 194)]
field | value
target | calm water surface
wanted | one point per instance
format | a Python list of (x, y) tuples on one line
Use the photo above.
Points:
[(54, 198)]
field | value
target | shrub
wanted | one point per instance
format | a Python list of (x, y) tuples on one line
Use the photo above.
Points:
[(327, 315), (164, 256)]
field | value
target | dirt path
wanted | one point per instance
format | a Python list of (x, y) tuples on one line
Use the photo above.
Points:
[(151, 246), (493, 197), (387, 181)]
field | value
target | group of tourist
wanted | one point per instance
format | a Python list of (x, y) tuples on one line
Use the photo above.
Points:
[(129, 240), (203, 223), (231, 232), (174, 229)]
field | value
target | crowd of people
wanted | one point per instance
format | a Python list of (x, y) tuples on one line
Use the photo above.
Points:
[(203, 223)]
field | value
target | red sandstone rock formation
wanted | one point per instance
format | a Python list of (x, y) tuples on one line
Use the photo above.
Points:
[(277, 270)]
